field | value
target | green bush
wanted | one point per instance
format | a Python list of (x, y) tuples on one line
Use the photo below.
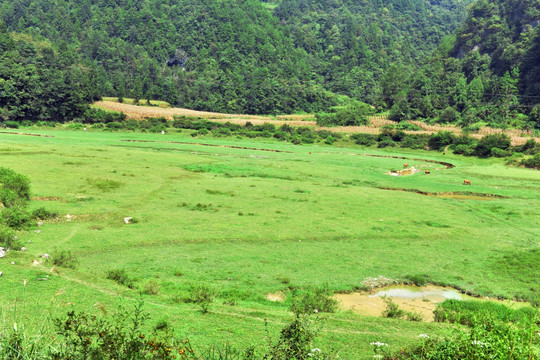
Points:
[(203, 296), (121, 277), (488, 142), (14, 188), (16, 217), (113, 126), (415, 141), (533, 162), (386, 142), (486, 340), (43, 214), (8, 239), (440, 140), (11, 124), (408, 126), (364, 139), (314, 300), (471, 312), (65, 258)]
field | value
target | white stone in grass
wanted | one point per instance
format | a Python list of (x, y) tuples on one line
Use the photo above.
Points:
[(1, 273), (162, 132), (23, 249), (37, 231), (2, 252), (128, 219), (13, 263), (40, 223), (45, 256)]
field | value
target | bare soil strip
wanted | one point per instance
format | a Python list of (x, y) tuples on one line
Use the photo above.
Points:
[(463, 195), (22, 133), (46, 198), (214, 145), (447, 165)]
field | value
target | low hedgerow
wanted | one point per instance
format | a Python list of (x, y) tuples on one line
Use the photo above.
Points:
[(470, 312)]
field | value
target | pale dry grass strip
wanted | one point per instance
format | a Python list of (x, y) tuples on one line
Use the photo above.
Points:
[(518, 137)]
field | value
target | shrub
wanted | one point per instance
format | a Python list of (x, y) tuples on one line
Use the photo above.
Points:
[(463, 149), (121, 277), (471, 312), (487, 339), (113, 126), (314, 300), (364, 139), (386, 142), (203, 296), (43, 214), (449, 115), (501, 141), (415, 141), (96, 115), (15, 217), (533, 162), (296, 339), (65, 258), (404, 125), (496, 152), (8, 239), (418, 280), (14, 188), (150, 287), (11, 124), (392, 309), (441, 140)]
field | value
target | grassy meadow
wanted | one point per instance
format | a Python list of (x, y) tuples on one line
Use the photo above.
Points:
[(246, 222)]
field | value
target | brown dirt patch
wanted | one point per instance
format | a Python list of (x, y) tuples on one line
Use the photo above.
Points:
[(27, 134), (363, 303), (46, 198), (451, 195)]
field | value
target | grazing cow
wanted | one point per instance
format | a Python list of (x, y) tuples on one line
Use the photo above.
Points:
[(466, 182), (406, 165), (427, 172)]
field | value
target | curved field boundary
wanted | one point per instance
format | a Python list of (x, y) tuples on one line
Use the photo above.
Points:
[(460, 195), (22, 133), (214, 145), (446, 165)]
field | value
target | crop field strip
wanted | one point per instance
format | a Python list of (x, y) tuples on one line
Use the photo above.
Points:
[(518, 137)]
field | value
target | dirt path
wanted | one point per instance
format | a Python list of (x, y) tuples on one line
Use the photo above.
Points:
[(27, 134)]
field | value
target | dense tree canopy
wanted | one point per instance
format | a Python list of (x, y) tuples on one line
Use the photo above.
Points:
[(238, 55), (489, 72), (39, 81)]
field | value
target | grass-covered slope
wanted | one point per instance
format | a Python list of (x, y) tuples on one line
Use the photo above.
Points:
[(247, 222)]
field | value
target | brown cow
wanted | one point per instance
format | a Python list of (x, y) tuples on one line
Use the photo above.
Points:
[(466, 182), (406, 165)]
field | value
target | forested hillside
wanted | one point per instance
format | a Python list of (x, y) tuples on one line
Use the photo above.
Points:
[(351, 43), (239, 55), (488, 73), (41, 82)]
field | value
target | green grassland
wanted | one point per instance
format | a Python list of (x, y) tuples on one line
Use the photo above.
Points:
[(247, 222)]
